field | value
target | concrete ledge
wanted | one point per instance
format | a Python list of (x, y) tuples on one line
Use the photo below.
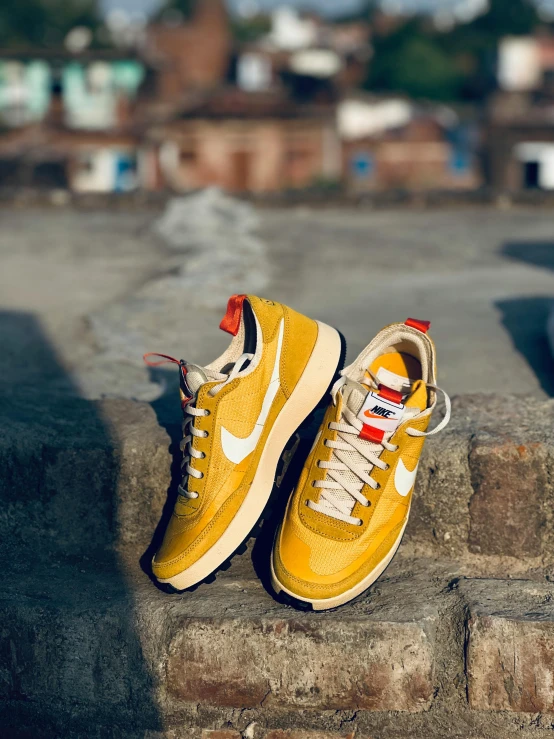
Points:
[(484, 493), (84, 475), (303, 662), (99, 636), (78, 475), (91, 644), (311, 197), (510, 646)]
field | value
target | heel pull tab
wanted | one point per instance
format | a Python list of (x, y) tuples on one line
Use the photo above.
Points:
[(231, 320), (416, 323)]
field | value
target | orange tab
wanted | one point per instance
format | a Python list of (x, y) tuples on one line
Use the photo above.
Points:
[(231, 320), (389, 394), (416, 323), (370, 433)]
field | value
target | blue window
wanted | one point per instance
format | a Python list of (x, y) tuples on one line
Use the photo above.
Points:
[(362, 165), (460, 160), (125, 172)]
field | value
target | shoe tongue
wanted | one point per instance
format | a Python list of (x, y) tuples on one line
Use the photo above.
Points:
[(417, 400), (354, 396), (193, 378)]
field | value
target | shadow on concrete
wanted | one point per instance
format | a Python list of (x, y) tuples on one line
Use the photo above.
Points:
[(534, 253), (71, 662), (525, 318)]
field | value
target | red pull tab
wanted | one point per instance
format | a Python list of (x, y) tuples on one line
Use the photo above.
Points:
[(231, 320), (166, 359), (416, 323), (389, 394), (370, 433)]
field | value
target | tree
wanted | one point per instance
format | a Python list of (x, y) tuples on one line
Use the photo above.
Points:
[(44, 23), (475, 44), (248, 30), (412, 62), (418, 60), (512, 18)]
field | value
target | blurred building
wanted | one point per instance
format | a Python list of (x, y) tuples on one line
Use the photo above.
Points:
[(520, 131), (191, 55), (190, 106), (257, 142), (392, 143), (308, 46), (68, 120)]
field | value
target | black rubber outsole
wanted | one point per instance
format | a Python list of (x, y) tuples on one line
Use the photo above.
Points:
[(268, 511)]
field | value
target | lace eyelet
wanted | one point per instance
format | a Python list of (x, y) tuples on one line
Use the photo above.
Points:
[(378, 486), (360, 522), (385, 469), (207, 412)]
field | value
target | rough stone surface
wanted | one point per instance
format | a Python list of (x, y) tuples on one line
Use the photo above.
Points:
[(91, 649), (484, 491), (99, 640), (510, 647), (86, 650), (509, 481), (303, 662), (78, 475), (301, 734)]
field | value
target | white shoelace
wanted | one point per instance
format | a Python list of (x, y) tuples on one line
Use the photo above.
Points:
[(189, 431), (340, 506)]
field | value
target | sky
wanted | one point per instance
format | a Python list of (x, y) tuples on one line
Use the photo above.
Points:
[(327, 7)]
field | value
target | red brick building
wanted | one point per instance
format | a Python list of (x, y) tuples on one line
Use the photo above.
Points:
[(392, 144), (190, 56), (247, 142)]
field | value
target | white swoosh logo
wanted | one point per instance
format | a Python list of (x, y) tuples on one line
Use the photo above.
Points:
[(404, 479), (236, 449)]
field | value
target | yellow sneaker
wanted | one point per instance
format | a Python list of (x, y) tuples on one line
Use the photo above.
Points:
[(345, 520), (239, 413)]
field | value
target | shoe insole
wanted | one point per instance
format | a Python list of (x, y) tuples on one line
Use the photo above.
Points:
[(397, 370)]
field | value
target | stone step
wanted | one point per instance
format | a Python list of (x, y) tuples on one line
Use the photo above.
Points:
[(78, 476), (91, 648), (484, 494)]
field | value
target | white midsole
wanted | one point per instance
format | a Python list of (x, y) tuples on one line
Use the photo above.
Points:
[(309, 390), (324, 604)]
